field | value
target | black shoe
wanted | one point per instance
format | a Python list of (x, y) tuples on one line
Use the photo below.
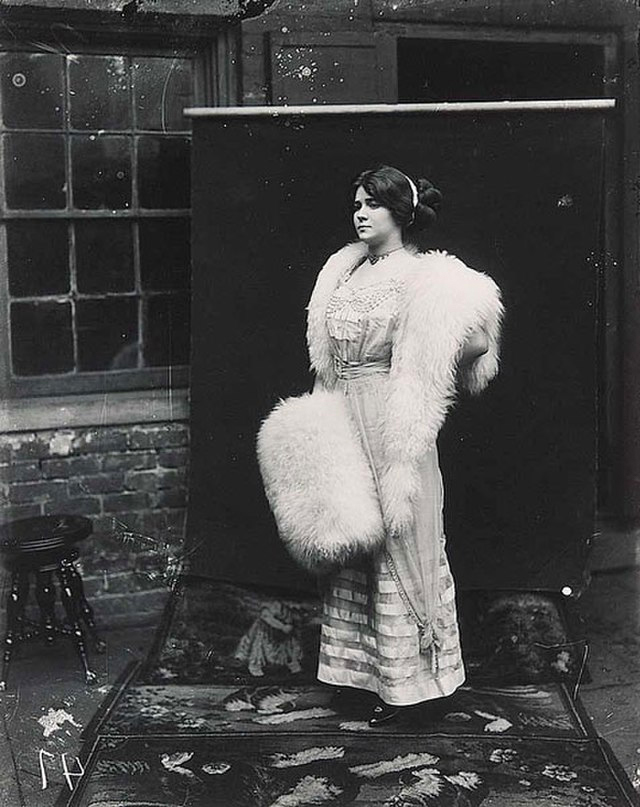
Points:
[(347, 698), (383, 713)]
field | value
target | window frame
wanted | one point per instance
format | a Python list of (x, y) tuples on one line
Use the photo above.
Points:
[(210, 52)]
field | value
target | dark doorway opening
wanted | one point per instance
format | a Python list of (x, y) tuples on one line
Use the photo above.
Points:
[(441, 70), (456, 70)]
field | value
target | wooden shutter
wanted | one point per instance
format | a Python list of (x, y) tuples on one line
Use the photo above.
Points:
[(328, 68)]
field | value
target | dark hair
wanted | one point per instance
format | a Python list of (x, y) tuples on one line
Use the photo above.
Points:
[(391, 189)]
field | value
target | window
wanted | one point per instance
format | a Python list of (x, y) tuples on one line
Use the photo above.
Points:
[(95, 203)]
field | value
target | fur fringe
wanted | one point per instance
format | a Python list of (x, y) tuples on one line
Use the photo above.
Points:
[(320, 355), (318, 482), (445, 302)]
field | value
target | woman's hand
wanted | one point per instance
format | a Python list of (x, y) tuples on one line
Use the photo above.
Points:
[(477, 345)]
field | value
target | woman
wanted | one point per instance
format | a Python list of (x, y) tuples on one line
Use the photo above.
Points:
[(396, 332)]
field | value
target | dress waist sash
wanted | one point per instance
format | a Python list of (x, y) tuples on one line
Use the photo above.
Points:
[(350, 370)]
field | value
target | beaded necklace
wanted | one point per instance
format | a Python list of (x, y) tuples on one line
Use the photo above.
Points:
[(373, 259)]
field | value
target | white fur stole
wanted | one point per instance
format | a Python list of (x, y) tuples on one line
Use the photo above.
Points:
[(318, 481), (444, 303)]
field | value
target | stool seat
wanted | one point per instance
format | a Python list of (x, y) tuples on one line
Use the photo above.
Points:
[(42, 546), (42, 533)]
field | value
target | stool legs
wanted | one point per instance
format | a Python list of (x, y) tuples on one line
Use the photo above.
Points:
[(85, 610), (75, 604), (46, 596), (73, 616), (15, 620)]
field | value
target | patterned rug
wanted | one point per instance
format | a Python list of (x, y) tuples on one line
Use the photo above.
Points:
[(281, 771), (226, 712), (223, 633)]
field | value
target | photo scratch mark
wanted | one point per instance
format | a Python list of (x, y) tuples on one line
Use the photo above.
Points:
[(55, 719)]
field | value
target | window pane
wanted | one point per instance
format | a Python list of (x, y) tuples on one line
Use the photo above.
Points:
[(101, 170), (104, 256), (31, 87), (162, 89), (165, 254), (163, 172), (107, 333), (166, 330), (41, 338), (100, 94), (38, 254), (34, 171)]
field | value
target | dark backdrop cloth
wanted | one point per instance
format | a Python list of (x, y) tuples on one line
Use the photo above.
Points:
[(272, 200)]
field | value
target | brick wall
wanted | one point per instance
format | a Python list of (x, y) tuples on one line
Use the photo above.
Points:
[(130, 481), (132, 475)]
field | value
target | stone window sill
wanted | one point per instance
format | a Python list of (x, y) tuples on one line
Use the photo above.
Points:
[(103, 409)]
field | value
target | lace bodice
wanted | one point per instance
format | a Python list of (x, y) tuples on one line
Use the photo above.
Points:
[(361, 320)]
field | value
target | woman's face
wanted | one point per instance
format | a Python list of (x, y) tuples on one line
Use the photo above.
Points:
[(374, 224)]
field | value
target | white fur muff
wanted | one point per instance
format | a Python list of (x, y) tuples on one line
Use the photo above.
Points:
[(318, 481)]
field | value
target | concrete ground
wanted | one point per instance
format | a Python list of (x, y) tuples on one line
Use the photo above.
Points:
[(610, 608), (47, 705)]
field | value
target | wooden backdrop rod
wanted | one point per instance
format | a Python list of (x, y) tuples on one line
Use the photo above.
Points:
[(457, 107)]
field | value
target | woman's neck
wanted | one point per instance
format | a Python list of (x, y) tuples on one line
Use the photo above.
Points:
[(374, 257), (390, 245)]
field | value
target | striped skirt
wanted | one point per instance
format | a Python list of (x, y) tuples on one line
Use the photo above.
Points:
[(368, 640)]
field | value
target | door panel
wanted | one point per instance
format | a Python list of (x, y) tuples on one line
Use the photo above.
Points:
[(312, 68)]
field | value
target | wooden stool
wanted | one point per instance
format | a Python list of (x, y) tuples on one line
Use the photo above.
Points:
[(42, 547)]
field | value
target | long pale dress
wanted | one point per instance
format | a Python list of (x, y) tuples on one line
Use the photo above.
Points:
[(370, 639)]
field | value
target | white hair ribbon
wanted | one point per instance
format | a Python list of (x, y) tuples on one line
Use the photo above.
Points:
[(414, 191)]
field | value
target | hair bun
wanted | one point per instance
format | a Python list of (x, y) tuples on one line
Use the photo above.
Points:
[(429, 202)]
